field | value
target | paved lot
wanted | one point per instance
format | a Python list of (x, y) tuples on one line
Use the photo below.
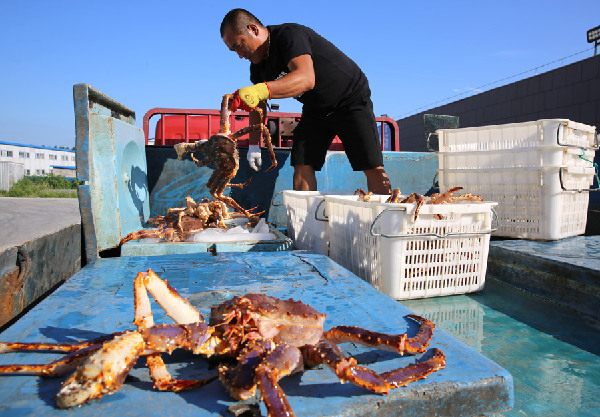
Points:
[(24, 219)]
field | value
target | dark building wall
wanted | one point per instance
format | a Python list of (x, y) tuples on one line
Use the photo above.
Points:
[(570, 92)]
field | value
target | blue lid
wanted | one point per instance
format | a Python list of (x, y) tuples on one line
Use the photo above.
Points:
[(111, 162)]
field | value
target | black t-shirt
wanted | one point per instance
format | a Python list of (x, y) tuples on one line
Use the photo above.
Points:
[(338, 80)]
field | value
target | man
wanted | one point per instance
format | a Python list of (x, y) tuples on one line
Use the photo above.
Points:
[(291, 60)]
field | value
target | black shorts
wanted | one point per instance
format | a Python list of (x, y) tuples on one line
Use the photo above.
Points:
[(353, 124)]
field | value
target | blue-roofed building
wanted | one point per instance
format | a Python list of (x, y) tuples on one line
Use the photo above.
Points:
[(39, 160)]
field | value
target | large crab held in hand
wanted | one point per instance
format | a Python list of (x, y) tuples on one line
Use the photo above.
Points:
[(221, 153), (269, 338)]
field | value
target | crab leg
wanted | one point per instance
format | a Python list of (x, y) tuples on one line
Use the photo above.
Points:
[(241, 185), (166, 338), (195, 337), (240, 380), (6, 347), (57, 367), (187, 338), (176, 307), (415, 197), (78, 352), (266, 136), (347, 369), (282, 361), (231, 203), (224, 127), (397, 343), (444, 198), (163, 380), (363, 195), (184, 147), (403, 376), (167, 233), (190, 333), (103, 372), (217, 192), (394, 196), (467, 197)]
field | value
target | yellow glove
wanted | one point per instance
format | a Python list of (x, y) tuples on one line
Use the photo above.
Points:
[(254, 94)]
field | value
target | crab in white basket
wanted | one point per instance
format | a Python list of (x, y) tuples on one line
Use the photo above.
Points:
[(269, 338), (436, 198)]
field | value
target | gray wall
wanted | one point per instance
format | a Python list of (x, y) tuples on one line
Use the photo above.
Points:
[(570, 92), (10, 172)]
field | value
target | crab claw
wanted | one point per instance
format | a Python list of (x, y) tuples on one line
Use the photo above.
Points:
[(403, 376), (103, 372), (347, 369), (181, 149), (185, 147)]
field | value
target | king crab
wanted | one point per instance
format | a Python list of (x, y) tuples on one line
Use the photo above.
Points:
[(180, 223), (221, 152), (270, 339), (436, 198)]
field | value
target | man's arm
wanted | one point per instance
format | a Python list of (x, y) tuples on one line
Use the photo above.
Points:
[(300, 79)]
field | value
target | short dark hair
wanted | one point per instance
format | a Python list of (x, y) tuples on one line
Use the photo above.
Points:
[(238, 20)]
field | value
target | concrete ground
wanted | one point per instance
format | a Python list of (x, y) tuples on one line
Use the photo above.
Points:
[(25, 219)]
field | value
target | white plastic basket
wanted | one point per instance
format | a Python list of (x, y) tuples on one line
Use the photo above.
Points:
[(545, 132), (531, 202), (306, 222), (406, 258), (539, 173)]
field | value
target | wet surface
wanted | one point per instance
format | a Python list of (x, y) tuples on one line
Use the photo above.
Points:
[(551, 352), (582, 251)]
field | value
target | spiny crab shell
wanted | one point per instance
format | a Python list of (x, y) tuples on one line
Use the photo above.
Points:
[(289, 321)]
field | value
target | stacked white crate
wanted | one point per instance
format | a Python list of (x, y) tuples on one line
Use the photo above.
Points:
[(443, 251), (539, 172)]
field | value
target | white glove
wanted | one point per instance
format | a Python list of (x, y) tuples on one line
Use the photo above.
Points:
[(254, 157)]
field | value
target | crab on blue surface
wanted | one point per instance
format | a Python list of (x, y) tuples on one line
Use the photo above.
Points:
[(269, 339)]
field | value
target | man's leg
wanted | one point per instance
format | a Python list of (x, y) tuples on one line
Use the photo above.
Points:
[(304, 178), (377, 181), (357, 128)]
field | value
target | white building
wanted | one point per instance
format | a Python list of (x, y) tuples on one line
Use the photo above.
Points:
[(39, 160)]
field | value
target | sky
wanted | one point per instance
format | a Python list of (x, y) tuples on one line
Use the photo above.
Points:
[(146, 54)]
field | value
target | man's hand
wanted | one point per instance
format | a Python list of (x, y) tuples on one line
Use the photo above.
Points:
[(247, 98), (254, 157)]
